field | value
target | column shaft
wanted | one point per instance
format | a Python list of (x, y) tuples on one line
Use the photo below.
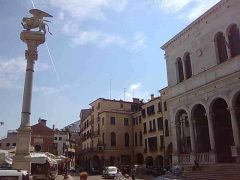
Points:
[(234, 126)]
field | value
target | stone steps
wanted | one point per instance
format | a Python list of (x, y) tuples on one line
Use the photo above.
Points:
[(215, 172)]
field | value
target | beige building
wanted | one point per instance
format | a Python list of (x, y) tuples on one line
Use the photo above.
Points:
[(153, 132), (203, 62), (60, 141), (10, 141), (111, 132)]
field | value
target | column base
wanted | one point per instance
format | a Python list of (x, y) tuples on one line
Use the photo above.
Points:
[(192, 157), (212, 157), (22, 162)]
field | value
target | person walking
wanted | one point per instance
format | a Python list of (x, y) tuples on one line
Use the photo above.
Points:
[(133, 173)]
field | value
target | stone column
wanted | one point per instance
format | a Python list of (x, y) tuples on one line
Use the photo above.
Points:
[(212, 154), (235, 129), (192, 139), (175, 156), (22, 158)]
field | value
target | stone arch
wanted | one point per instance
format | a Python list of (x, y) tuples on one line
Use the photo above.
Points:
[(223, 133), (234, 39), (221, 47), (213, 99), (183, 131), (200, 128)]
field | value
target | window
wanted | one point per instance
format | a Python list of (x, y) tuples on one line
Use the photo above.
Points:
[(159, 107), (161, 142), (188, 66), (126, 122), (103, 138), (154, 125), (113, 139), (140, 119), (145, 143), (60, 138), (121, 105), (103, 121), (112, 121), (145, 127), (143, 113), (0, 144), (136, 143), (165, 106), (221, 48), (126, 137), (140, 138), (133, 121), (136, 119), (234, 40), (166, 128), (160, 123), (179, 68), (8, 144), (55, 138), (98, 105), (14, 144), (150, 110), (150, 126)]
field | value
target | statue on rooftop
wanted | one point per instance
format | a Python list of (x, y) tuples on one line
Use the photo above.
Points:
[(36, 21)]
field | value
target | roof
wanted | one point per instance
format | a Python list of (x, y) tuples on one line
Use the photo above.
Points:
[(113, 100), (195, 22), (85, 113)]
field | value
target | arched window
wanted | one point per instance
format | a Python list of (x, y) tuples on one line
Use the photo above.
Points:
[(221, 48), (166, 128), (136, 139), (180, 76), (140, 138), (188, 66), (234, 40), (126, 137), (113, 139)]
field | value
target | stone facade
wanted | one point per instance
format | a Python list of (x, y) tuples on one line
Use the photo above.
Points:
[(203, 63), (10, 141)]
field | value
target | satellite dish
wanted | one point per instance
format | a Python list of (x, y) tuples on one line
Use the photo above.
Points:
[(39, 14)]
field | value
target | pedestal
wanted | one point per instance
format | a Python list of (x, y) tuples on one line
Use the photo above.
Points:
[(22, 159)]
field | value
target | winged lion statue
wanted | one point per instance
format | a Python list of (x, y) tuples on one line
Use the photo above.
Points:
[(36, 21)]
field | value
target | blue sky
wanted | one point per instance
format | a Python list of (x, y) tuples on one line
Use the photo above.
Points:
[(94, 42)]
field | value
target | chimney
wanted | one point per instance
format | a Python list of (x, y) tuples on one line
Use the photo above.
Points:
[(152, 96), (42, 121)]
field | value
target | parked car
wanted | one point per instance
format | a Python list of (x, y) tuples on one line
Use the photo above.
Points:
[(13, 174), (72, 169), (111, 172)]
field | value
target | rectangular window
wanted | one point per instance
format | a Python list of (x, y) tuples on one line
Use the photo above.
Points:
[(136, 120), (150, 126), (159, 107), (98, 105), (103, 121), (55, 138), (14, 144), (165, 106), (145, 145), (60, 138), (154, 125), (112, 121), (143, 113), (126, 121), (160, 123), (121, 105), (150, 110), (145, 127), (161, 142), (0, 144), (140, 119)]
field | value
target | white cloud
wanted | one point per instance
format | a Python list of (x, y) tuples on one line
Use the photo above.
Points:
[(13, 68), (135, 86), (174, 5), (98, 38), (138, 42), (51, 90), (92, 9), (187, 9)]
